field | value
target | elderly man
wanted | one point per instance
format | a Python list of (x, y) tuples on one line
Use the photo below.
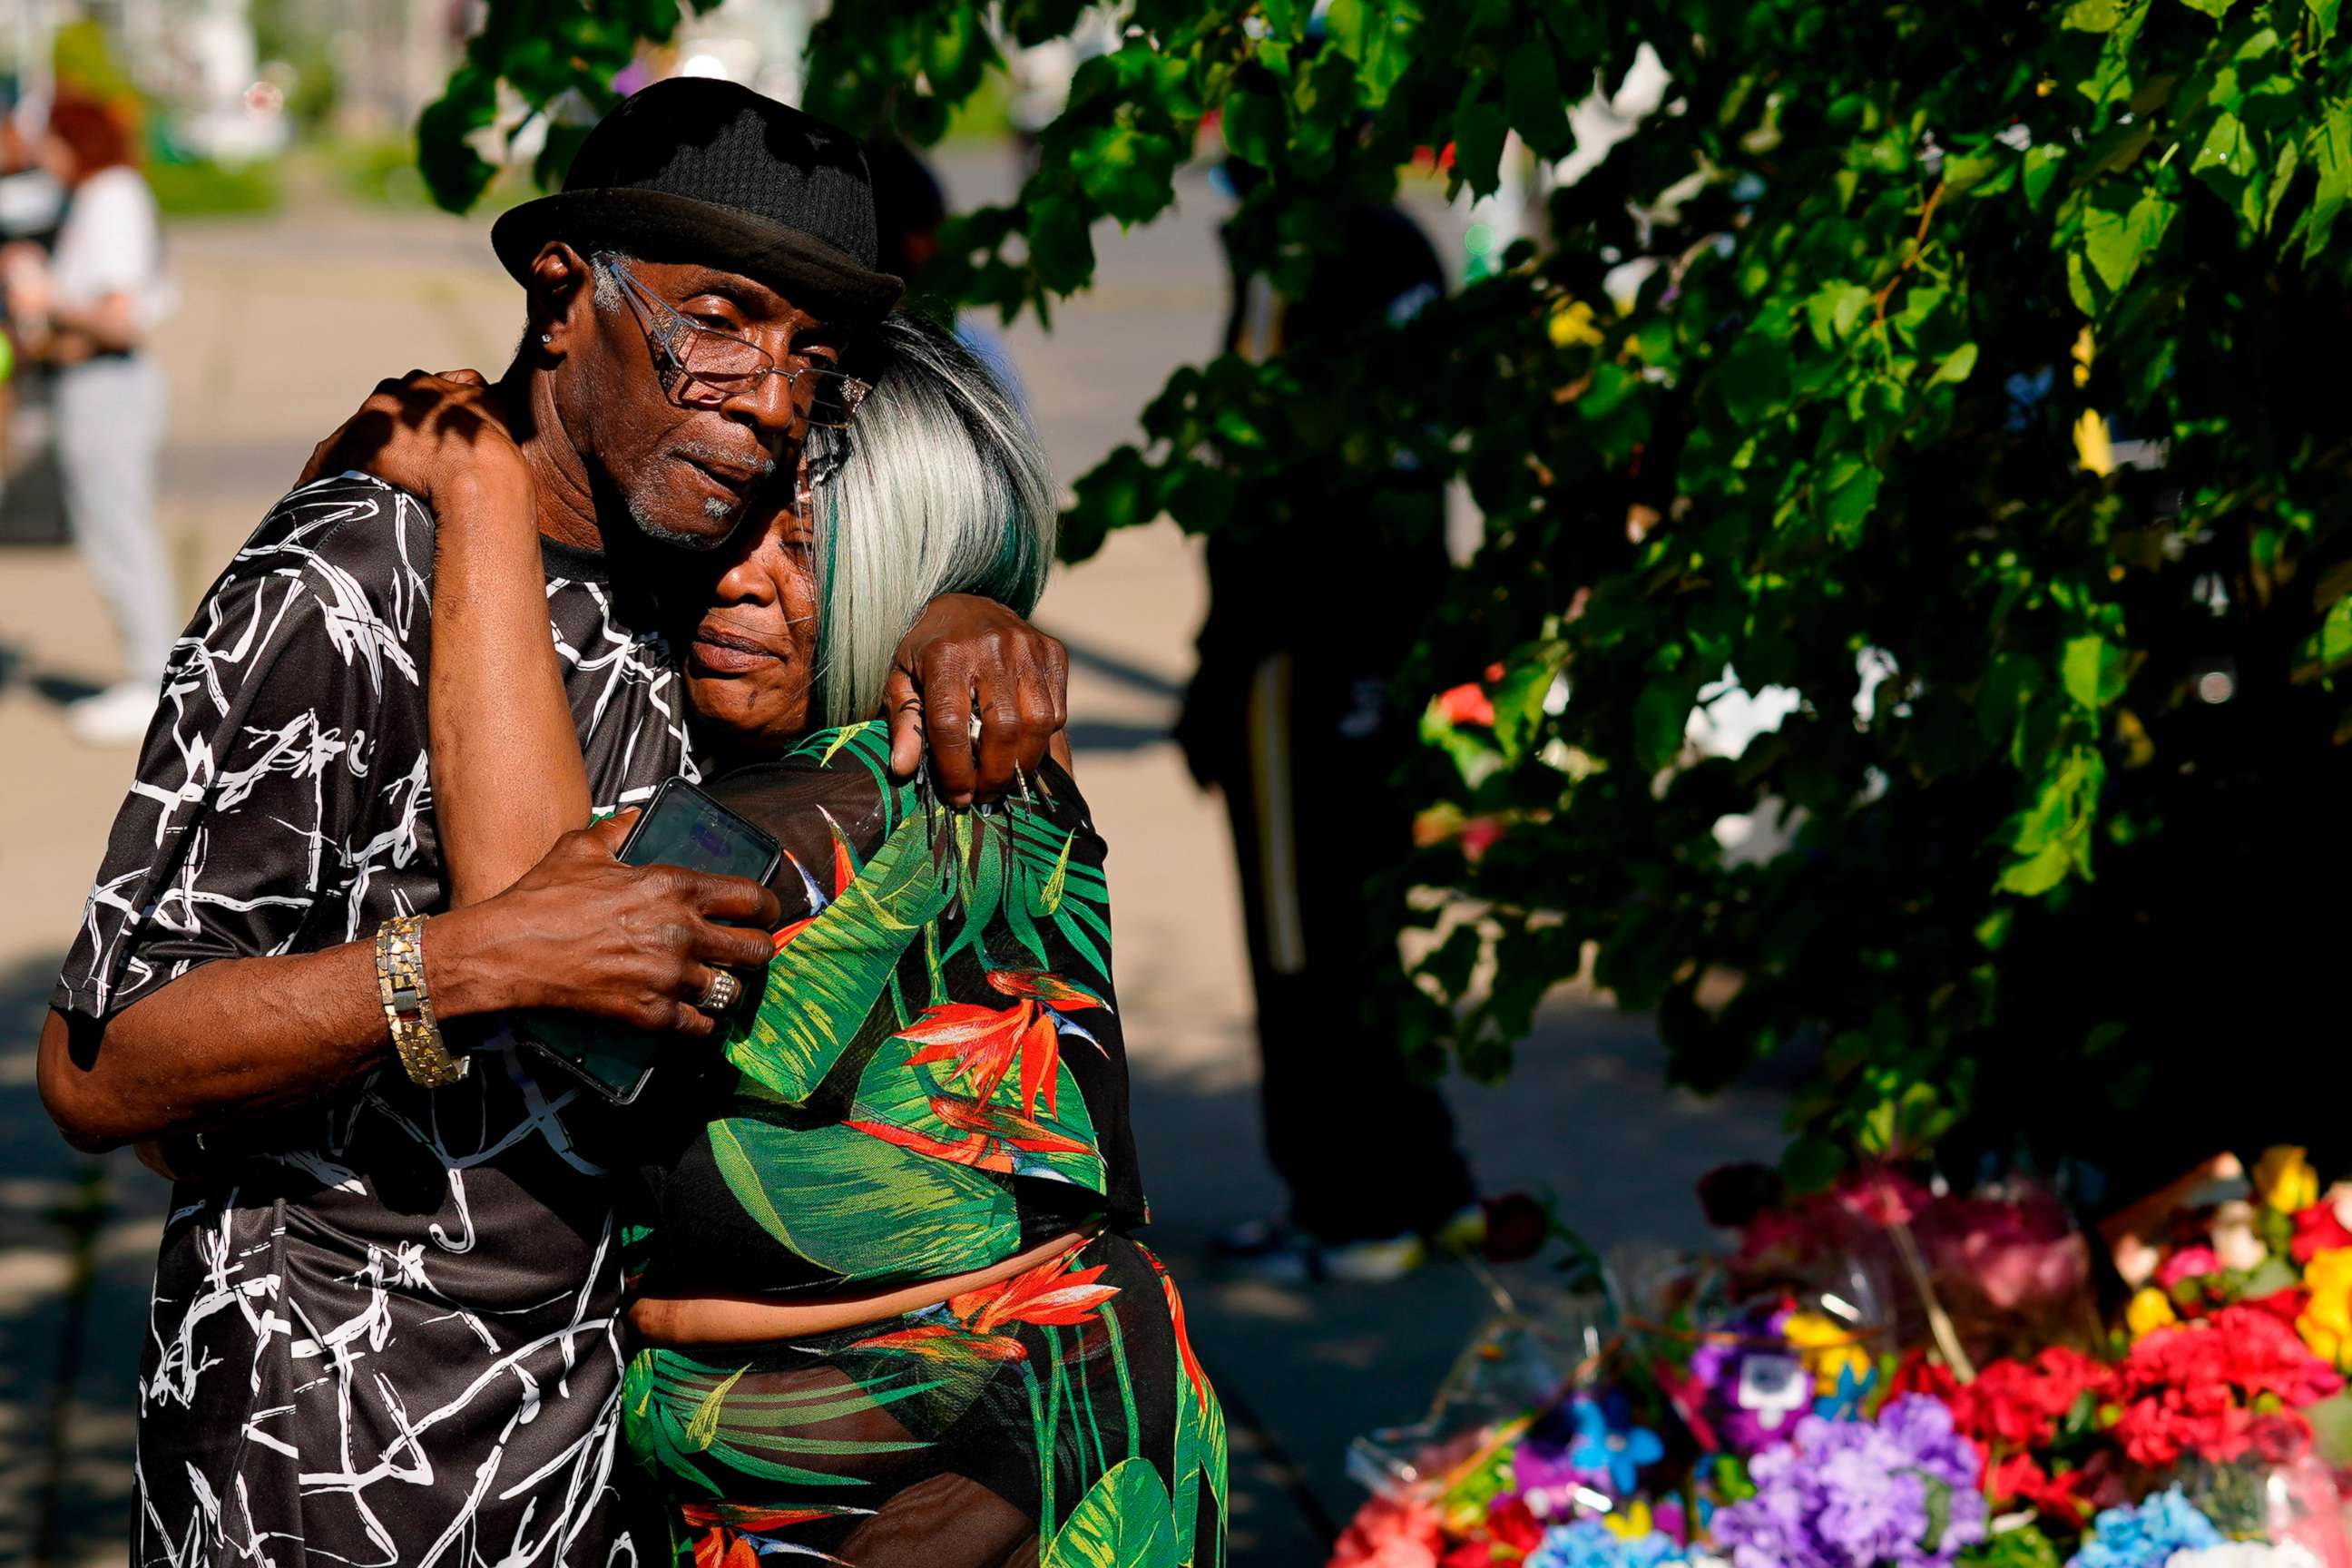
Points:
[(383, 1329)]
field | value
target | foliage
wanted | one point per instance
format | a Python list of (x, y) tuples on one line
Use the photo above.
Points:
[(203, 188), (1903, 258)]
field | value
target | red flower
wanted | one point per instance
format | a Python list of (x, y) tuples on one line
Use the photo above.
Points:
[(985, 1043), (1190, 1363), (1055, 1293), (2285, 1305), (2012, 1405), (1513, 1527), (2059, 1495), (1045, 1294), (717, 1543), (719, 1547), (1064, 995), (2317, 1230), (992, 1133), (2190, 1389), (1466, 704), (945, 1341)]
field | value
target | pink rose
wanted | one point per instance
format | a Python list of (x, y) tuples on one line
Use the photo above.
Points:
[(2188, 1263)]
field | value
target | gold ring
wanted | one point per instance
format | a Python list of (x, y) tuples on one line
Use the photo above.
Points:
[(721, 993)]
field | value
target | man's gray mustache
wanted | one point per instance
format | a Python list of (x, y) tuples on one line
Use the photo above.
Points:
[(758, 462)]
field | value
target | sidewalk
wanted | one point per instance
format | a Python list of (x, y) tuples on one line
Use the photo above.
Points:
[(284, 325)]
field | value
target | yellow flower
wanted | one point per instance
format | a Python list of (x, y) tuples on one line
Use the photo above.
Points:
[(1572, 323), (2285, 1179), (1826, 1347), (2325, 1324), (1632, 1522), (2149, 1310)]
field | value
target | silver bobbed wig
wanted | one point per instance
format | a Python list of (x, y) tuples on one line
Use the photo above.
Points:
[(939, 487)]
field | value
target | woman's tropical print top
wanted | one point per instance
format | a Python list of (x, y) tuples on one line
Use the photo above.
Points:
[(933, 1079)]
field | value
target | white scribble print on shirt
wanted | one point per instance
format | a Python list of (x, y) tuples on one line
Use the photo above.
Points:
[(386, 1330)]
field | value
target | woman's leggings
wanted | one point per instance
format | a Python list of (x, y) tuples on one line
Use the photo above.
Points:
[(110, 423), (1056, 1418)]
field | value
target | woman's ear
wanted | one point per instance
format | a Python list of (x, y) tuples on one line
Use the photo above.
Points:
[(563, 297)]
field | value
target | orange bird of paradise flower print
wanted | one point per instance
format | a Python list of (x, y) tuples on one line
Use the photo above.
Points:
[(985, 1044), (1053, 1293)]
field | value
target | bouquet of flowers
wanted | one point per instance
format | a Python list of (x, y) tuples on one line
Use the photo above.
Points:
[(1891, 1377)]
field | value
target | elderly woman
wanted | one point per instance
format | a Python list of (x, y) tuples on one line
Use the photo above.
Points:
[(888, 1309)]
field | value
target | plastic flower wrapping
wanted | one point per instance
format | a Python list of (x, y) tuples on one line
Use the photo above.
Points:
[(1890, 1374)]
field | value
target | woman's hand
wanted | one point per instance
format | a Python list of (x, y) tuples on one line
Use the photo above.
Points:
[(970, 658), (582, 933), (440, 435)]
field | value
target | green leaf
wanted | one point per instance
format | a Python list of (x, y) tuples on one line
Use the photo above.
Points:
[(1810, 1163), (1661, 714), (1753, 379), (2118, 242), (1479, 130), (2331, 647), (2331, 156), (702, 1426), (2041, 161), (1532, 98), (1835, 312), (2093, 672), (1060, 246), (2210, 7), (2324, 14), (1129, 172), (1517, 701), (1851, 490), (1255, 126), (860, 1206), (2037, 874), (1957, 365), (2290, 158), (1378, 36), (1125, 1520), (824, 982)]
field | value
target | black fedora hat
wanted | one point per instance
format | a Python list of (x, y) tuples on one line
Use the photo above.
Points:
[(695, 169)]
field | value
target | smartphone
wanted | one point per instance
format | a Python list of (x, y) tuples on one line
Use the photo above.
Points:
[(683, 826)]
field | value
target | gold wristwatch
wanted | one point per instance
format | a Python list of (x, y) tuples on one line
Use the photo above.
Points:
[(408, 1006)]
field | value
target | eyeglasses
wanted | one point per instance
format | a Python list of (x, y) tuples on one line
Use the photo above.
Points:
[(729, 366)]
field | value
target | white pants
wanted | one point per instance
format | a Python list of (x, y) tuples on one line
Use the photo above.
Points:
[(110, 423)]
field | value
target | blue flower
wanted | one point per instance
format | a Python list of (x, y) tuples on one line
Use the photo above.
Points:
[(2145, 1536), (1606, 1443), (1844, 1402), (1588, 1543)]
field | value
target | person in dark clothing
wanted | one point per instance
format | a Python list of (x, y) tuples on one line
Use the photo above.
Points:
[(1272, 706)]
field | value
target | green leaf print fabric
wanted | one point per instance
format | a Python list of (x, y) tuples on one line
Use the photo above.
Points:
[(932, 1078)]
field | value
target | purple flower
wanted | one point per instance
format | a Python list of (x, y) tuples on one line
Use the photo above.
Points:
[(1754, 1389), (1852, 1494)]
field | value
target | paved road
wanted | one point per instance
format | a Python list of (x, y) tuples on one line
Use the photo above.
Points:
[(284, 326)]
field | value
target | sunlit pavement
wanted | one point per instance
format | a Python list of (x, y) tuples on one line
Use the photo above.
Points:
[(284, 325)]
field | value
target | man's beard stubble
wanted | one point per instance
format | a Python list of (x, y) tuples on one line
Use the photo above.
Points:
[(718, 509)]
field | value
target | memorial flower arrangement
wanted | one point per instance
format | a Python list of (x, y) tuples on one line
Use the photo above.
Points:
[(1888, 1375)]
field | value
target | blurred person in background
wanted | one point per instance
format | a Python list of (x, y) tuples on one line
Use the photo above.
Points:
[(87, 309), (1277, 705)]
